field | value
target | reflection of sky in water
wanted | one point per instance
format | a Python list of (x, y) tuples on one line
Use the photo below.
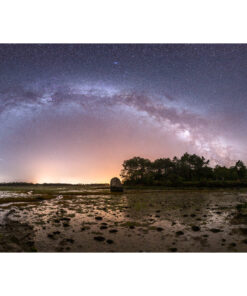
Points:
[(170, 210), (9, 194)]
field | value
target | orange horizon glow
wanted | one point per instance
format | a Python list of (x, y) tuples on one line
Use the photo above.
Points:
[(73, 114)]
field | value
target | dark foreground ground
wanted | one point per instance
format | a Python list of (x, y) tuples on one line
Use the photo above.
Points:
[(91, 219)]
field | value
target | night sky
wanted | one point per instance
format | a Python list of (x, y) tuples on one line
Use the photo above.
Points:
[(74, 113)]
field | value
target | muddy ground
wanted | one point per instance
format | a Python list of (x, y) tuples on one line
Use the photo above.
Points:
[(91, 219)]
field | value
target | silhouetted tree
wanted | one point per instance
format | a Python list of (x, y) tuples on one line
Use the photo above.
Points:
[(135, 169), (189, 168), (241, 169)]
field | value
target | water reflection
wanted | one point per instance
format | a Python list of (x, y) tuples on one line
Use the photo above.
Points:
[(134, 221)]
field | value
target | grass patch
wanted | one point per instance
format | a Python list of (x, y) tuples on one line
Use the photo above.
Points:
[(25, 199)]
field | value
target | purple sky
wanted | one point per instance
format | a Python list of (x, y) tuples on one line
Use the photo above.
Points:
[(74, 113)]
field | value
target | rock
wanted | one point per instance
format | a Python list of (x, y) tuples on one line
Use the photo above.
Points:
[(243, 230), (70, 240), (116, 185), (215, 230), (98, 218), (113, 230), (103, 227), (159, 229), (56, 232), (195, 228), (65, 219), (179, 233), (173, 249), (99, 238), (110, 241)]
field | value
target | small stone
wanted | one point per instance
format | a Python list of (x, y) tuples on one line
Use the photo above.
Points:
[(215, 230), (70, 240), (98, 218), (179, 233), (103, 227), (113, 230), (65, 219), (110, 241), (159, 229), (243, 230), (173, 249), (195, 228), (99, 238)]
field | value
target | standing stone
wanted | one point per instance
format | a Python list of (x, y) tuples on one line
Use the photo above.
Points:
[(116, 185)]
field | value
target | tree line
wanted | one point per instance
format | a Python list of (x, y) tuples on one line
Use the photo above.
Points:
[(189, 170)]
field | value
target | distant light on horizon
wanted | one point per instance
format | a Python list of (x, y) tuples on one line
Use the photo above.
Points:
[(114, 102)]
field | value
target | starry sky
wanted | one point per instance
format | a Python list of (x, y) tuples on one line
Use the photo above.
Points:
[(74, 112)]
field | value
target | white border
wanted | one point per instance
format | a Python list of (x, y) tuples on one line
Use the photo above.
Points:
[(123, 274), (128, 21)]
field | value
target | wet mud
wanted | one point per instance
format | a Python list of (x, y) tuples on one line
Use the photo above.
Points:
[(79, 220)]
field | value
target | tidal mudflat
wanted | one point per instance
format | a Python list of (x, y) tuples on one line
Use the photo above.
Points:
[(91, 219)]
